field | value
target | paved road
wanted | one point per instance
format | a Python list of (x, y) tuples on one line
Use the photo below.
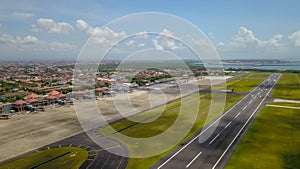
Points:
[(98, 157), (227, 131)]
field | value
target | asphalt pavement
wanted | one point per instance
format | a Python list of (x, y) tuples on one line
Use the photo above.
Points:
[(224, 133)]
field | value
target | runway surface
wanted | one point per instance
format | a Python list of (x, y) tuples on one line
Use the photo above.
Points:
[(225, 133)]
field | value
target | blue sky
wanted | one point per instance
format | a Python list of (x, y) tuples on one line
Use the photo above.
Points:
[(50, 30)]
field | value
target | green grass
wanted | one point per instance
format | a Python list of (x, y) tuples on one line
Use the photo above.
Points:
[(165, 121), (170, 113), (244, 83), (271, 142), (72, 160), (288, 87), (247, 82)]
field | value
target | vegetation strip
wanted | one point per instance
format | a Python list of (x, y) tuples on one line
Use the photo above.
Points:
[(51, 160), (242, 84)]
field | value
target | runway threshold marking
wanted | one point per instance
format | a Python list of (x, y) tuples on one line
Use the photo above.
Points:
[(216, 120), (218, 161), (187, 166), (228, 124), (214, 138)]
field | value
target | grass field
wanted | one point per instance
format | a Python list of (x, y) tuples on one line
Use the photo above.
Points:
[(245, 83), (64, 157), (288, 87), (271, 142), (166, 119)]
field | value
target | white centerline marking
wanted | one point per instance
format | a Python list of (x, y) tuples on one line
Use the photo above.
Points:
[(237, 115), (215, 121), (228, 124), (187, 166), (245, 107), (250, 101), (243, 127), (214, 138)]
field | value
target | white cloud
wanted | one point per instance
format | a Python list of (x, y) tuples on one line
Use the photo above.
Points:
[(82, 25), (142, 35), (6, 38), (24, 15), (295, 38), (166, 32), (164, 41), (130, 43), (274, 41), (50, 26), (30, 43), (105, 35), (210, 35), (10, 40), (246, 44), (28, 39), (100, 35), (141, 45), (245, 38), (156, 45), (221, 44)]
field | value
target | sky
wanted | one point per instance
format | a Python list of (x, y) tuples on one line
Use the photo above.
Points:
[(59, 29)]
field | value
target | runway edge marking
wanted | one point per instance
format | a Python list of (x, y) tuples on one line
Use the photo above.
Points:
[(243, 126), (226, 112)]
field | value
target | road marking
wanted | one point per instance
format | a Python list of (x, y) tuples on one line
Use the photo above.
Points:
[(187, 166), (237, 115), (216, 120), (250, 102), (245, 107), (108, 148), (228, 124), (287, 107), (214, 138), (242, 128), (70, 145)]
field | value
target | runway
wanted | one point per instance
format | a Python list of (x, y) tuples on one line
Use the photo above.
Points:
[(225, 133)]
